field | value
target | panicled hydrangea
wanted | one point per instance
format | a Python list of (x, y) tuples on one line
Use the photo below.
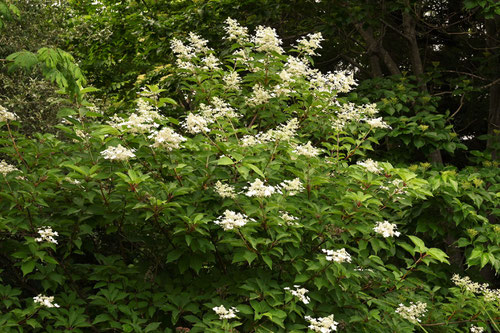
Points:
[(250, 140), (309, 44), (295, 67), (289, 219), (259, 190), (259, 96), (292, 187), (284, 132), (386, 229), (300, 293), (322, 325), (339, 82), (225, 313), (467, 285), (197, 43), (413, 312), (196, 124), (370, 165), (118, 153), (6, 168), (210, 62), (225, 190), (167, 138), (47, 235), (476, 329), (141, 122), (181, 50), (377, 123), (350, 112), (235, 31), (266, 40), (339, 256), (6, 115), (47, 301), (307, 150), (218, 109), (232, 81), (230, 220)]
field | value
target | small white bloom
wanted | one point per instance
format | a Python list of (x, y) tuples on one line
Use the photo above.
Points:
[(386, 229), (6, 168), (377, 123), (235, 31), (232, 81), (266, 40), (47, 301), (46, 235), (6, 115), (310, 43), (300, 293), (476, 329), (196, 124), (259, 96), (259, 190), (413, 312), (370, 165), (231, 220), (197, 43), (322, 325), (118, 153), (307, 150), (225, 190), (292, 187), (339, 256), (289, 219), (167, 138), (210, 62), (225, 313)]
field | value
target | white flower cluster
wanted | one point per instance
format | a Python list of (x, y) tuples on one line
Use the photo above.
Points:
[(377, 123), (6, 115), (231, 220), (339, 256), (289, 219), (6, 168), (300, 293), (322, 325), (370, 165), (309, 44), (225, 313), (413, 312), (218, 109), (118, 153), (350, 112), (466, 284), (196, 123), (266, 40), (47, 235), (259, 190), (47, 301), (259, 96), (307, 150), (339, 82), (476, 329), (284, 132), (292, 187), (141, 122), (210, 62), (225, 190), (232, 81), (167, 138), (235, 31), (386, 229), (187, 53)]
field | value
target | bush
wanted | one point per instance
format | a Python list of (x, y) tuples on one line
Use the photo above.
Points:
[(257, 211)]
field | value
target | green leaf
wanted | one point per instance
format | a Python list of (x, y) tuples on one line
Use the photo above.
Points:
[(224, 160), (28, 267), (438, 254), (419, 243)]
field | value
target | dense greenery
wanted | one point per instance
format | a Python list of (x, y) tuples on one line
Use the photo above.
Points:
[(157, 181)]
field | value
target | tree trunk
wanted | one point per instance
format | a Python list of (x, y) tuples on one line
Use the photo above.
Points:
[(493, 43)]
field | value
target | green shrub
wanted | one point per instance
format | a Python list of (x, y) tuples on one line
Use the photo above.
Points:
[(256, 211)]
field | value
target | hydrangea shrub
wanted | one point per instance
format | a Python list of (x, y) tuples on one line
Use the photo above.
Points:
[(257, 210)]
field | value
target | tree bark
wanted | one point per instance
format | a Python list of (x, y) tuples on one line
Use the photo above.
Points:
[(493, 43)]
